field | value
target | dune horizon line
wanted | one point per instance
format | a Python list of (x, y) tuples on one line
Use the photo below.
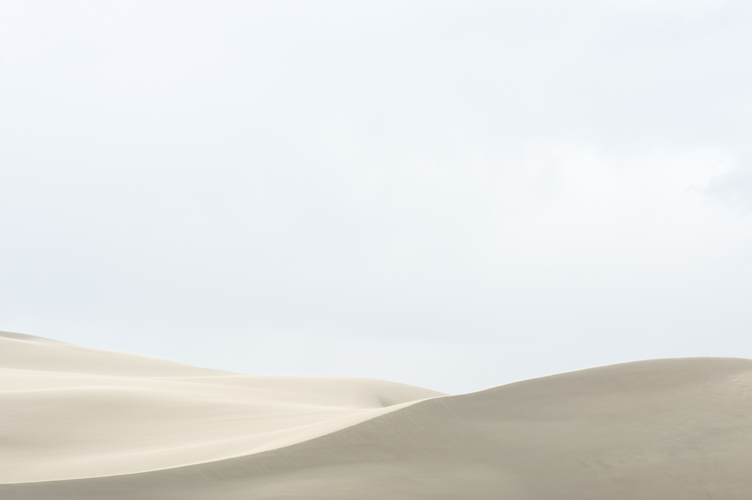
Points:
[(85, 423)]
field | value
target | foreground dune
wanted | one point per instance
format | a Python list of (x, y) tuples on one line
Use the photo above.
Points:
[(72, 412), (87, 424)]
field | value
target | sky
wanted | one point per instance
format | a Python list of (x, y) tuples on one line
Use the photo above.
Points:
[(451, 194)]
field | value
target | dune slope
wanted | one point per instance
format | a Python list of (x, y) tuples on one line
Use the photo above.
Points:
[(74, 412), (659, 429)]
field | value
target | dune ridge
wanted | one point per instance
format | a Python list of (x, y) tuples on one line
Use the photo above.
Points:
[(657, 429), (109, 413)]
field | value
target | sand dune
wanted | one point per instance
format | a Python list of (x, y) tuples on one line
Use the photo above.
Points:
[(75, 412), (79, 423)]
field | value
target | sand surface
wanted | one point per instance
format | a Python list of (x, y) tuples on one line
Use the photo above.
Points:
[(84, 424)]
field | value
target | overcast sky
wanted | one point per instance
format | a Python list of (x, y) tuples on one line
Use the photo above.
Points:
[(450, 194)]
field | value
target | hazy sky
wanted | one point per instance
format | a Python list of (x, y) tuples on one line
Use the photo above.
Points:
[(449, 194)]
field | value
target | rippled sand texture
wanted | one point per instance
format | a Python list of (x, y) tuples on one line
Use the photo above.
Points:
[(84, 424)]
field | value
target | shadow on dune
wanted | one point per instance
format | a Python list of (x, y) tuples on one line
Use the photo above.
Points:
[(659, 429)]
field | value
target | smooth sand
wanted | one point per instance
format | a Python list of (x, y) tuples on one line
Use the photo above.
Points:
[(85, 424)]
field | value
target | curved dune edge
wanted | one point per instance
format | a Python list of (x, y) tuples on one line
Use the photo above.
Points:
[(671, 428), (270, 442), (111, 413), (668, 428)]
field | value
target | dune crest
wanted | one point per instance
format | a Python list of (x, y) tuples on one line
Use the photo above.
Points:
[(656, 429)]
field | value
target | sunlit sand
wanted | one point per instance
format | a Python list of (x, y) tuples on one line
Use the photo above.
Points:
[(82, 423)]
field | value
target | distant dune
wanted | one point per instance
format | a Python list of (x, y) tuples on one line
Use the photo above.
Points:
[(82, 424)]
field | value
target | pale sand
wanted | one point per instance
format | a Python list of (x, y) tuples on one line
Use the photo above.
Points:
[(79, 423)]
